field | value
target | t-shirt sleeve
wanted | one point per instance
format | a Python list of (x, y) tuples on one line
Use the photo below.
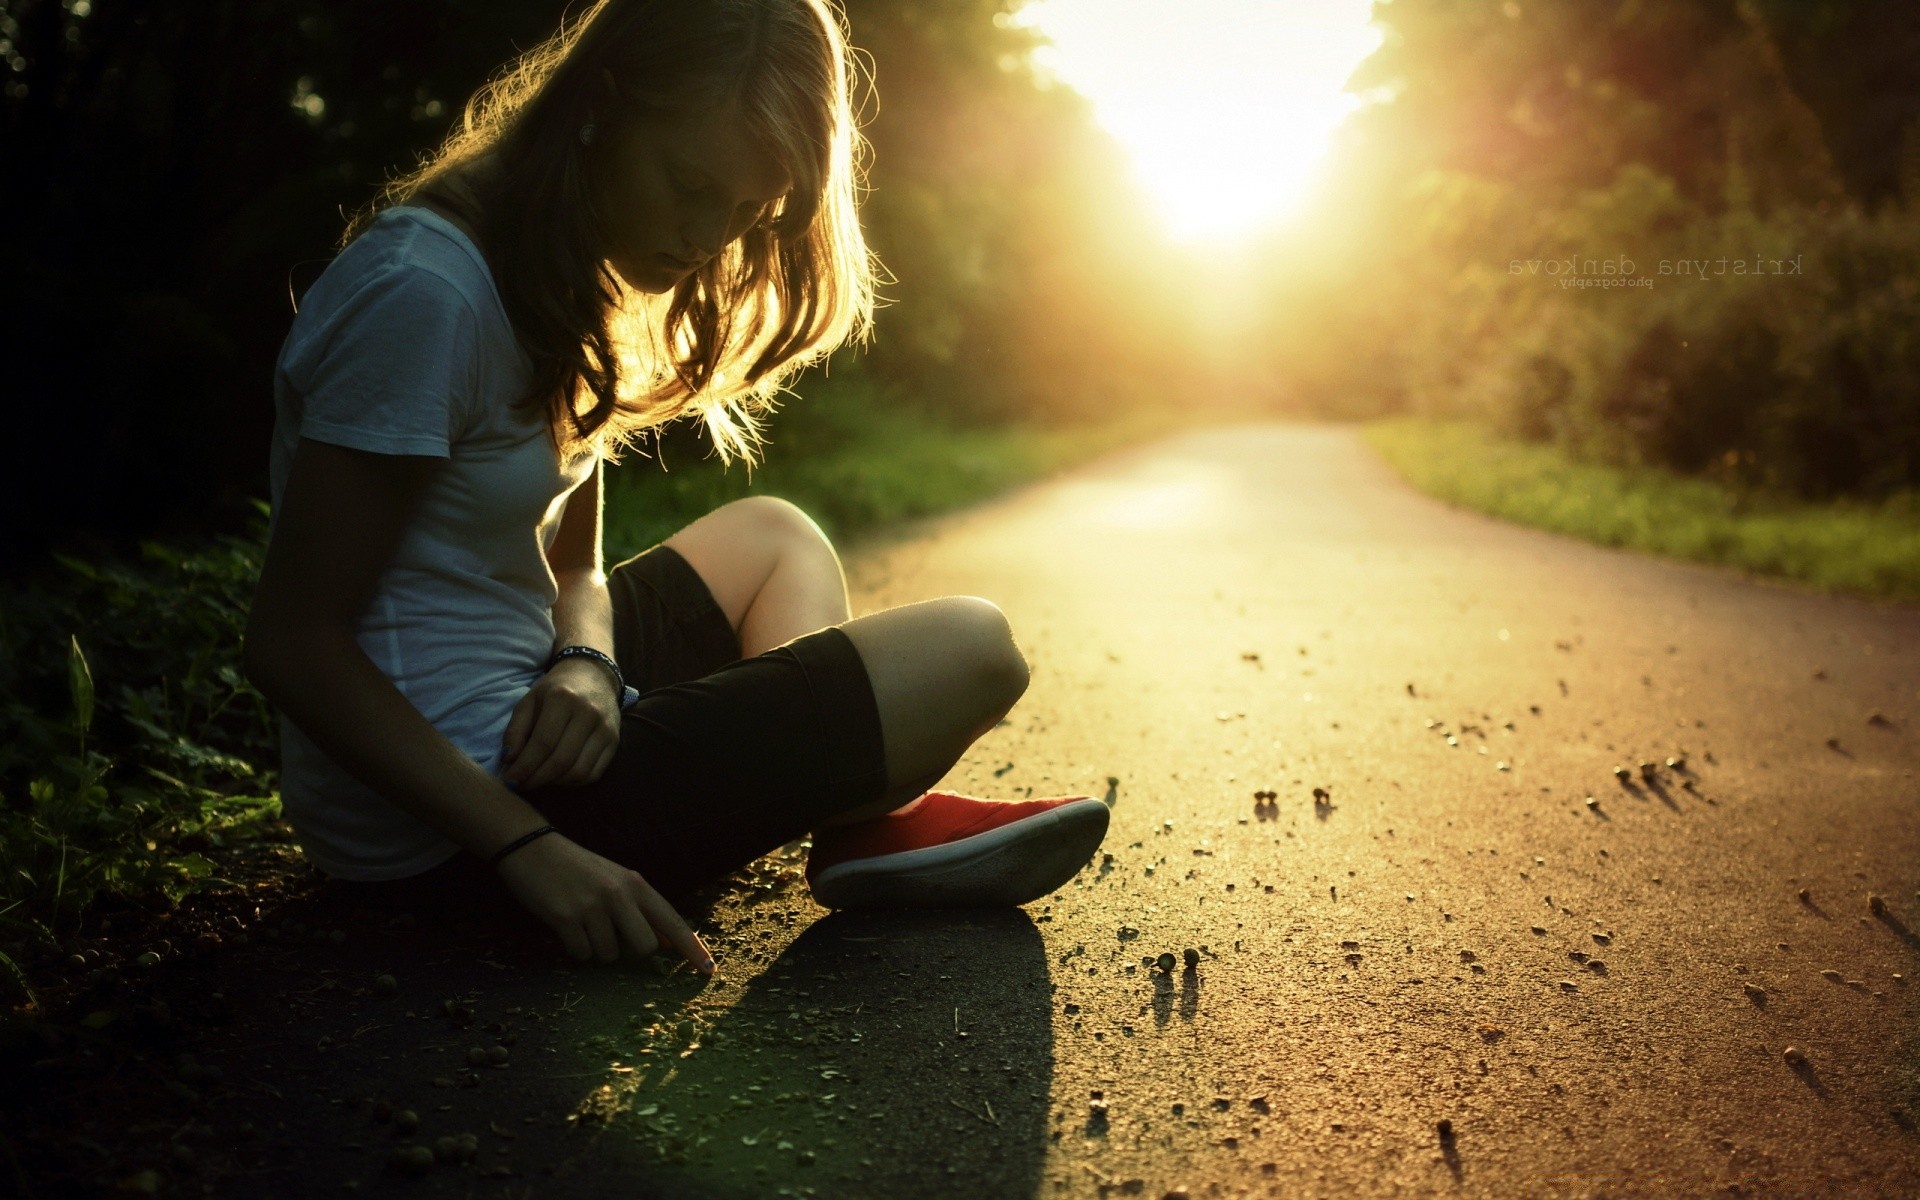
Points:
[(386, 363)]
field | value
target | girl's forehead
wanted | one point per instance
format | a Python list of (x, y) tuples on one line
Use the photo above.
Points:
[(718, 144)]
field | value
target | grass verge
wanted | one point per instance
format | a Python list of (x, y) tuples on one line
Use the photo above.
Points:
[(854, 464), (1842, 546)]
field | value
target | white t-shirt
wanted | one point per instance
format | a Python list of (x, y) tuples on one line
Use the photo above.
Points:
[(402, 347)]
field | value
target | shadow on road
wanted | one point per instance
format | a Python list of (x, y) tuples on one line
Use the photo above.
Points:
[(894, 1053), (1450, 1151), (1807, 1076), (1899, 929)]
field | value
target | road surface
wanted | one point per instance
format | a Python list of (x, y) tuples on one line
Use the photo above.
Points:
[(1455, 976)]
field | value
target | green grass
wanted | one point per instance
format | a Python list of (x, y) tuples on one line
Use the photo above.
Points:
[(1843, 546), (854, 465)]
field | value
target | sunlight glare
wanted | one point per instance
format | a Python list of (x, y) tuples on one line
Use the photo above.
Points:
[(1226, 107)]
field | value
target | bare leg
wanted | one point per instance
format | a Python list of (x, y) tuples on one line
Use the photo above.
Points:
[(943, 671), (772, 570)]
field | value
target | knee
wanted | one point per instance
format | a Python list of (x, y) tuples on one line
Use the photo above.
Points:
[(983, 640), (780, 525)]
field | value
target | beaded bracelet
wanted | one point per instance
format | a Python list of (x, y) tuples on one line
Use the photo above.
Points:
[(627, 694), (518, 842)]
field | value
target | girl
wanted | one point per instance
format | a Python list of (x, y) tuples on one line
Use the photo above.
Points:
[(651, 215)]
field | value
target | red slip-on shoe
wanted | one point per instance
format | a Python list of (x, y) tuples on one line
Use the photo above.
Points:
[(954, 851)]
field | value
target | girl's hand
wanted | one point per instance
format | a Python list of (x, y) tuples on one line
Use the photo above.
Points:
[(595, 904), (565, 729)]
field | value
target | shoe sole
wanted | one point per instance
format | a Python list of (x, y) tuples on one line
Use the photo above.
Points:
[(1014, 864)]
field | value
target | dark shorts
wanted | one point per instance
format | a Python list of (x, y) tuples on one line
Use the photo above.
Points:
[(720, 761)]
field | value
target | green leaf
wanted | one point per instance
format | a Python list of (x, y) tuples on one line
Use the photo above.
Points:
[(12, 971), (85, 570), (98, 1020), (79, 685), (195, 865)]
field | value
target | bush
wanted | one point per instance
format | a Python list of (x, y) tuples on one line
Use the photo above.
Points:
[(130, 741)]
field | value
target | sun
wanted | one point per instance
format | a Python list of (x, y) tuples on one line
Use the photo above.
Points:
[(1226, 107)]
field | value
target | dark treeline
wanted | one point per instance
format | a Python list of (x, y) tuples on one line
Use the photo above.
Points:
[(175, 170), (1756, 161)]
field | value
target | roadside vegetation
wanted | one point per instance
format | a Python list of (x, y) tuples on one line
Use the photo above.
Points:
[(855, 457), (1652, 242), (1867, 548)]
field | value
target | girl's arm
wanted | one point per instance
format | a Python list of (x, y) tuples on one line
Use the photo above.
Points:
[(340, 520), (582, 616)]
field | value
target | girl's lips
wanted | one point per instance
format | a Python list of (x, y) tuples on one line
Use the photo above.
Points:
[(678, 264)]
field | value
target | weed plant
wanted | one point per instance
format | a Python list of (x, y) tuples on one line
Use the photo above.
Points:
[(130, 742)]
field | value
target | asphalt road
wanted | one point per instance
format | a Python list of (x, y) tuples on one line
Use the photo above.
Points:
[(1595, 999)]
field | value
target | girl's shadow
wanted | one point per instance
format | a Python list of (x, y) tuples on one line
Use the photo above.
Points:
[(904, 1053)]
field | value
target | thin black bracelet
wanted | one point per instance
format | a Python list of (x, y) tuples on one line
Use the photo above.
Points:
[(518, 842)]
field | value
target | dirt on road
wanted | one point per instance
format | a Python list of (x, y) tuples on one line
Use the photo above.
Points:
[(1448, 858)]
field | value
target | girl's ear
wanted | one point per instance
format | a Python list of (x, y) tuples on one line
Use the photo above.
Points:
[(604, 94)]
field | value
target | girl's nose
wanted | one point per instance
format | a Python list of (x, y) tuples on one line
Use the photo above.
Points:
[(705, 235)]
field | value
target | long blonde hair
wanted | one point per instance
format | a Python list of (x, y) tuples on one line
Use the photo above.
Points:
[(721, 344)]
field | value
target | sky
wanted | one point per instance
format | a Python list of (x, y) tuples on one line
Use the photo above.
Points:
[(1225, 106)]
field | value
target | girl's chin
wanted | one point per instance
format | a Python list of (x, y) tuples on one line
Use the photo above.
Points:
[(655, 280)]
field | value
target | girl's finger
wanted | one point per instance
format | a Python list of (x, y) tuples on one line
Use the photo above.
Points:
[(634, 928), (594, 753), (592, 763), (669, 925), (603, 762), (574, 939), (565, 751), (606, 944), (540, 756), (519, 723)]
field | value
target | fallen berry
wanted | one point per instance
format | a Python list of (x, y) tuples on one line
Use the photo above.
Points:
[(410, 1160)]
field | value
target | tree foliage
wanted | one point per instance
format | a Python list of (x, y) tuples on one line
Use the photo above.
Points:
[(1530, 160)]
